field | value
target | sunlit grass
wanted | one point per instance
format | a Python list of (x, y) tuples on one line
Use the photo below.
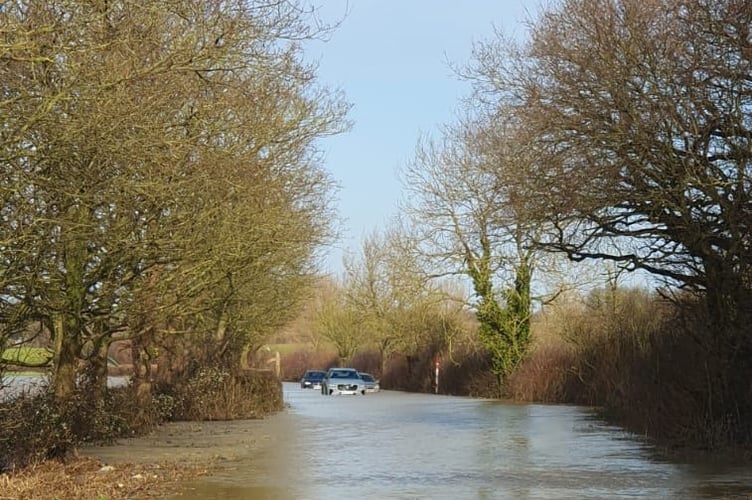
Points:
[(35, 356)]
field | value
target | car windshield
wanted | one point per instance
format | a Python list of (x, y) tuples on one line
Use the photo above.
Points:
[(315, 375), (366, 377), (343, 374)]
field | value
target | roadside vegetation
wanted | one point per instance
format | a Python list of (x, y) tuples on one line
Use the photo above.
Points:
[(88, 479), (164, 206)]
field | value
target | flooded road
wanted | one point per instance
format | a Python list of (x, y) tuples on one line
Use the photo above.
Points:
[(395, 445)]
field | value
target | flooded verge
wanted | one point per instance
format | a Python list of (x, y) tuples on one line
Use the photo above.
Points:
[(14, 384), (399, 445)]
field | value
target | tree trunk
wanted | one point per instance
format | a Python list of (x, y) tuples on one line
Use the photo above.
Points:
[(244, 365), (169, 358), (141, 381), (97, 371), (66, 361)]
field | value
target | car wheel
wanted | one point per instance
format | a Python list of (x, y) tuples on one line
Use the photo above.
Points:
[(330, 392)]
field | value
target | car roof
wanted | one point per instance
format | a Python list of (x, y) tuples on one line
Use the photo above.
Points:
[(349, 371)]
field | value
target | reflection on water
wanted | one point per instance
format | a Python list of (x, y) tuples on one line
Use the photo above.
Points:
[(405, 446)]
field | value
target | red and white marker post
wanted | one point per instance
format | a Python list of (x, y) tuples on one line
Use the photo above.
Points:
[(436, 371)]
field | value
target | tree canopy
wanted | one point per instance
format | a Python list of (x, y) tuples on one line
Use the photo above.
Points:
[(166, 146), (638, 114)]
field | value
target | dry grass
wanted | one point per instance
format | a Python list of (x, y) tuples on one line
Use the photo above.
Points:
[(89, 479)]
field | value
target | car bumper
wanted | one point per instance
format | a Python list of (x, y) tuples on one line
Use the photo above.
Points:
[(336, 392), (351, 389)]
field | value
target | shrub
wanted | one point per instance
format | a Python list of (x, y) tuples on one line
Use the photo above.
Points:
[(294, 364), (468, 373), (213, 393), (367, 361), (35, 428), (546, 376), (658, 368)]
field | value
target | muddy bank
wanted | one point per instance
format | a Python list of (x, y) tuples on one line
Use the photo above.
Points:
[(225, 450), (203, 443)]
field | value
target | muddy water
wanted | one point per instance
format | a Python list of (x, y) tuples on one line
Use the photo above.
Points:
[(403, 446)]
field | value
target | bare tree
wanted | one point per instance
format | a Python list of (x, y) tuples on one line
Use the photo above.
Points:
[(338, 322), (639, 113), (463, 203), (388, 286)]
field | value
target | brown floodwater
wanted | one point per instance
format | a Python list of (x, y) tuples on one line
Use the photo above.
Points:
[(394, 445)]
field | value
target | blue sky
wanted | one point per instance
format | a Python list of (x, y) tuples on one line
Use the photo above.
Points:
[(391, 58)]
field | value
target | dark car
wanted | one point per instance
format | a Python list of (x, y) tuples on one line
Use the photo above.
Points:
[(312, 379)]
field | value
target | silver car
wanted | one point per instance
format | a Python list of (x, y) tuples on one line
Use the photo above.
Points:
[(370, 383), (342, 381)]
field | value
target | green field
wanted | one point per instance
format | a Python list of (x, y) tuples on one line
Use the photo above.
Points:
[(27, 355)]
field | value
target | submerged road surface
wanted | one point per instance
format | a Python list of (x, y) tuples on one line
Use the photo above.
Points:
[(394, 445)]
